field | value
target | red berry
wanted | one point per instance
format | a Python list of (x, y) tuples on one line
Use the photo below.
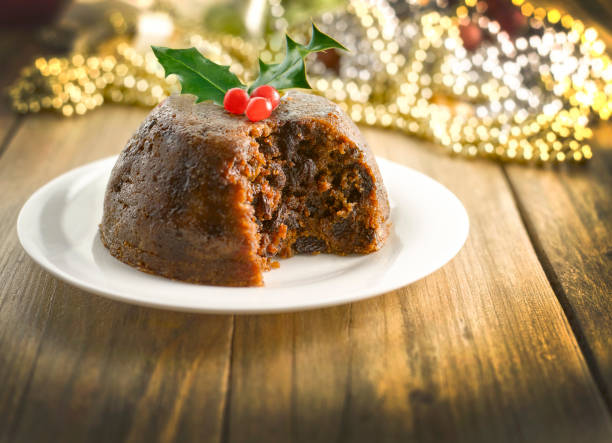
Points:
[(258, 109), (268, 92), (235, 100)]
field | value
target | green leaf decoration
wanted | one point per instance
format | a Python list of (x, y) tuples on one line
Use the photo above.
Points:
[(291, 72), (198, 75), (209, 81)]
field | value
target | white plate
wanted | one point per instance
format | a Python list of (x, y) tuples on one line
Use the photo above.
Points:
[(58, 228)]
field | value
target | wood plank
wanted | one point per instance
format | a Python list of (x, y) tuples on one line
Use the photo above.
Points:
[(77, 367), (568, 211), (478, 351), (290, 376)]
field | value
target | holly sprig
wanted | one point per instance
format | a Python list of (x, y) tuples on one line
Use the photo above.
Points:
[(209, 81)]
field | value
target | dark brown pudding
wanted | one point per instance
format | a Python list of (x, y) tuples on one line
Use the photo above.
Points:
[(208, 197)]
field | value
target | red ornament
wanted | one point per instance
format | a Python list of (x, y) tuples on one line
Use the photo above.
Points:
[(269, 93), (258, 108), (235, 100), (471, 36)]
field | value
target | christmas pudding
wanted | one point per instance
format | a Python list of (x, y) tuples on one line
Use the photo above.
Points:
[(206, 195)]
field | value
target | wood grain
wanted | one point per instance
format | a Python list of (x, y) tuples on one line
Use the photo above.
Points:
[(77, 367), (479, 351), (569, 214)]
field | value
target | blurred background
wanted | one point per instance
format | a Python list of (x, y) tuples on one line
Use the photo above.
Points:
[(510, 80)]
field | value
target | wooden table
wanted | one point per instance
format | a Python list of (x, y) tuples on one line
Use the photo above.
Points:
[(509, 342)]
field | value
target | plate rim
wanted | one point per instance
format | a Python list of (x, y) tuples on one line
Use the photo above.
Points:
[(34, 251)]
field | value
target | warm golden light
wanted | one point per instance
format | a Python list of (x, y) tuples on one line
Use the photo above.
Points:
[(553, 16), (527, 9), (474, 103)]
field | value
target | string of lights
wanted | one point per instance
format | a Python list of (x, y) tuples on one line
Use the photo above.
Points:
[(531, 98)]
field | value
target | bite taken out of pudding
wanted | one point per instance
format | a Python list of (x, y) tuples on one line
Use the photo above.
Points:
[(204, 196)]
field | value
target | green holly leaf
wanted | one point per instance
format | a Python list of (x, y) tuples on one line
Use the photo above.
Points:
[(291, 72), (198, 75)]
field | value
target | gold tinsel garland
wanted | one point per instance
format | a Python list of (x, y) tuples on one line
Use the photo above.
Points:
[(530, 99)]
